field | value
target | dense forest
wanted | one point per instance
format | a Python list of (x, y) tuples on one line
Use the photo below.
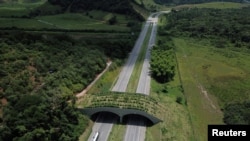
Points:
[(224, 29), (40, 73), (221, 26), (179, 2), (238, 113)]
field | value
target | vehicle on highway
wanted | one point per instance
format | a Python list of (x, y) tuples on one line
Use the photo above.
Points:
[(95, 137)]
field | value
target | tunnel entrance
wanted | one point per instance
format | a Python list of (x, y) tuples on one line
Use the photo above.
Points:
[(134, 119), (105, 117)]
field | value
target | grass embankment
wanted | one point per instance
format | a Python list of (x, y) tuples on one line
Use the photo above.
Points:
[(212, 77), (176, 123), (176, 117), (102, 85), (16, 15), (96, 20), (152, 6), (117, 133), (73, 21)]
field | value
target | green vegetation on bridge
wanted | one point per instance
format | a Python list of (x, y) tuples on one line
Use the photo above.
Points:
[(125, 101)]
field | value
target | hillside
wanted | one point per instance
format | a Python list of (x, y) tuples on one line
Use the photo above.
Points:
[(78, 6)]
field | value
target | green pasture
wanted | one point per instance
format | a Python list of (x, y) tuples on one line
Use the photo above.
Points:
[(23, 23), (74, 21), (81, 21), (8, 12), (176, 117), (211, 78), (19, 8), (216, 5)]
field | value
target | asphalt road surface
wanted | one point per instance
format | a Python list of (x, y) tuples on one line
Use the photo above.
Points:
[(136, 126), (135, 129), (124, 76), (103, 125)]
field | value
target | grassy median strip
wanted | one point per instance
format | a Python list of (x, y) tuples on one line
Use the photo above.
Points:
[(135, 76), (117, 133)]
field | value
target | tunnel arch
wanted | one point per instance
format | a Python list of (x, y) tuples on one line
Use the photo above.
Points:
[(120, 112), (95, 115)]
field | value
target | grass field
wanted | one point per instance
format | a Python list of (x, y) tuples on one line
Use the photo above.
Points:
[(96, 20), (23, 23), (211, 77), (217, 5), (176, 117), (19, 8)]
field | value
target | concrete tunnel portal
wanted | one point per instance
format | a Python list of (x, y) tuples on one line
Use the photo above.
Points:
[(121, 114)]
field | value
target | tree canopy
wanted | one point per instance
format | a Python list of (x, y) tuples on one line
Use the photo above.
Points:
[(40, 73), (162, 63)]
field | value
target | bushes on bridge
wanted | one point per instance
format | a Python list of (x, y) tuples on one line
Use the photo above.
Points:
[(124, 101)]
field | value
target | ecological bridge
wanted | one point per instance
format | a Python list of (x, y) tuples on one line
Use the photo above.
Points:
[(123, 104)]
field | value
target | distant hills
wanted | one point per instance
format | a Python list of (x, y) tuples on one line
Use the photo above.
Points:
[(178, 2)]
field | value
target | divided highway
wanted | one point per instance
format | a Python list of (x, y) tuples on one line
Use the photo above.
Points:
[(103, 127), (136, 131), (124, 76), (136, 127)]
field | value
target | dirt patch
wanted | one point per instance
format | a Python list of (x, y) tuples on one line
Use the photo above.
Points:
[(82, 93), (205, 93), (3, 102)]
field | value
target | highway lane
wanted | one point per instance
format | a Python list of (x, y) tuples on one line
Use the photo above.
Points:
[(103, 125), (124, 76), (136, 128), (144, 80)]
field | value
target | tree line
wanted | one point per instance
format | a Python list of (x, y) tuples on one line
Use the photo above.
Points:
[(222, 26)]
